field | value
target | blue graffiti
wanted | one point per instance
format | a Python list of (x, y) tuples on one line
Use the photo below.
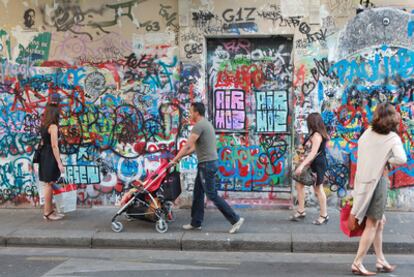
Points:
[(400, 65), (410, 28), (159, 79)]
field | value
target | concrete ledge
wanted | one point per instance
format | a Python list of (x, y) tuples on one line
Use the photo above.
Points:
[(398, 244), (237, 242), (141, 240), (48, 237), (2, 241), (324, 243)]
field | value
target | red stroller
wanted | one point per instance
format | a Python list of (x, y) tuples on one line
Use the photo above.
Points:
[(151, 200)]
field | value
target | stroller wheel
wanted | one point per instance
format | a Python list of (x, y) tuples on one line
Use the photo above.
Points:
[(161, 226), (117, 226)]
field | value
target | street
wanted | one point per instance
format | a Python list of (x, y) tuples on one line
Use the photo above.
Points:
[(48, 262)]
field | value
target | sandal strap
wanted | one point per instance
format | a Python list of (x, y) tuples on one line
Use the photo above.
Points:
[(49, 214)]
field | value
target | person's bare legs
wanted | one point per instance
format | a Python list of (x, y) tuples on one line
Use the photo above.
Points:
[(378, 244), (300, 189), (48, 206), (320, 193), (47, 190), (366, 241)]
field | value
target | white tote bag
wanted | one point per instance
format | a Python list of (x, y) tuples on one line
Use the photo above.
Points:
[(65, 196)]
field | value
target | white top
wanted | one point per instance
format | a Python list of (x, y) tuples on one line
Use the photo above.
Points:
[(374, 150)]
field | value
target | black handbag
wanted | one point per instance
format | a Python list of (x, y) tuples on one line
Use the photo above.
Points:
[(36, 155), (306, 177), (171, 186)]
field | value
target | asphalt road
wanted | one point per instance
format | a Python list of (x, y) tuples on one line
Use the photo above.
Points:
[(48, 262)]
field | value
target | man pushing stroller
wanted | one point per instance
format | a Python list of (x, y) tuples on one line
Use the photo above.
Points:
[(202, 140)]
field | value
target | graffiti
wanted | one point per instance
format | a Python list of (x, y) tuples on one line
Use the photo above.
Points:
[(272, 111), (322, 69), (299, 76), (11, 70), (248, 165), (243, 14), (82, 174), (118, 10), (366, 4), (274, 14), (193, 49), (36, 51), (95, 85), (70, 17), (249, 27), (151, 26), (257, 69), (305, 29), (29, 18), (17, 181), (202, 19), (235, 46), (169, 17), (410, 28), (328, 22), (230, 111), (401, 64), (245, 78)]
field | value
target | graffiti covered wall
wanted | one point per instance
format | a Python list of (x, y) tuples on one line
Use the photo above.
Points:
[(127, 71), (116, 69)]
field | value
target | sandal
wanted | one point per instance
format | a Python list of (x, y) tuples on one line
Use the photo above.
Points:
[(298, 216), (384, 267), (51, 216), (325, 220), (360, 270)]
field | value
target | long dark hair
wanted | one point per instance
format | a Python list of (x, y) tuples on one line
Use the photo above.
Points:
[(316, 124), (385, 119), (50, 116)]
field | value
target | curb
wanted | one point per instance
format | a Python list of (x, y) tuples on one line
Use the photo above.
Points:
[(191, 241)]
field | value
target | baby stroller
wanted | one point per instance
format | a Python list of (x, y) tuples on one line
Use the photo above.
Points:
[(151, 200)]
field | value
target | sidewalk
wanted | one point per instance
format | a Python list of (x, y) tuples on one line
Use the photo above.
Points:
[(264, 230)]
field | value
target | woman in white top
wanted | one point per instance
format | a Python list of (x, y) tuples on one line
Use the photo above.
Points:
[(377, 146)]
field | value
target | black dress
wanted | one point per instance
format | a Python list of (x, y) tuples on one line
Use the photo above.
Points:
[(319, 165), (48, 166)]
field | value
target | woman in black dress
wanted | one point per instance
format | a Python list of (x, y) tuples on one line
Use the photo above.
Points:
[(317, 161), (50, 165)]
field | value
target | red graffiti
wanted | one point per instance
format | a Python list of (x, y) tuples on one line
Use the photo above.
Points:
[(299, 76), (245, 78)]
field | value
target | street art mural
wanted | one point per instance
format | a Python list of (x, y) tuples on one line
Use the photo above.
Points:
[(345, 78), (120, 114), (127, 72), (249, 97)]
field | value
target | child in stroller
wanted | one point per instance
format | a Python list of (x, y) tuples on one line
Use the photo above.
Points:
[(151, 200)]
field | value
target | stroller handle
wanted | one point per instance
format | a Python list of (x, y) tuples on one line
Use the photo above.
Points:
[(162, 169)]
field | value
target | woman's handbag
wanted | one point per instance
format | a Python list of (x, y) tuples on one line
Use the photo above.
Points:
[(348, 223), (306, 177), (36, 155)]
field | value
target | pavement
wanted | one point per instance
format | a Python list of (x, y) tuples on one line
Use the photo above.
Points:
[(263, 230)]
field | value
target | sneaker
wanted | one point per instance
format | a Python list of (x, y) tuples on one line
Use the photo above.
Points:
[(237, 226), (191, 227)]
